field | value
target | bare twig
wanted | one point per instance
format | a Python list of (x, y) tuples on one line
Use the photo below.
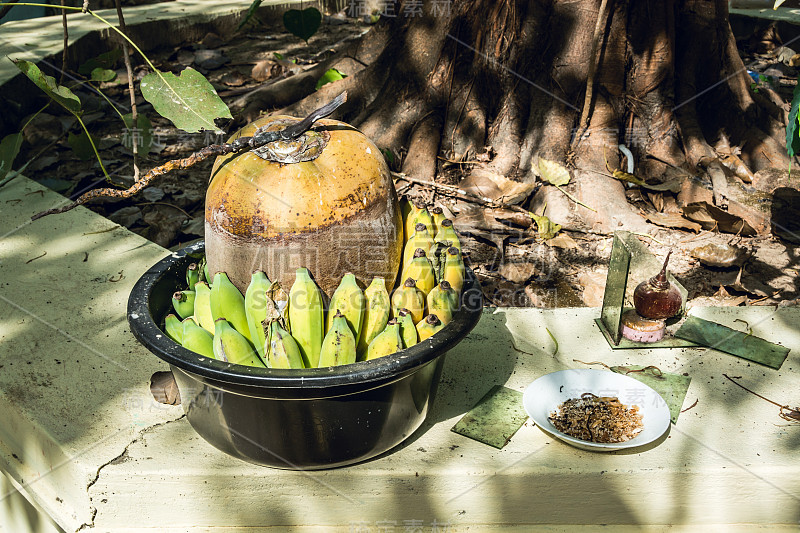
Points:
[(583, 123), (66, 44), (260, 138), (129, 70)]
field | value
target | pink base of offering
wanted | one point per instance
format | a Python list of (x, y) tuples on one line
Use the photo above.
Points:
[(639, 329)]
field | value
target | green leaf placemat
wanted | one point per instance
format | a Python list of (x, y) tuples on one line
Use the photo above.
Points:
[(671, 387), (495, 418), (725, 339)]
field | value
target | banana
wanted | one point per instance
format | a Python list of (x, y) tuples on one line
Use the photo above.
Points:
[(409, 214), (282, 349), (306, 316), (192, 275), (424, 217), (447, 234), (454, 270), (437, 214), (183, 302), (408, 296), (408, 332), (420, 239), (173, 328), (429, 326), (339, 344), (387, 342), (197, 339), (376, 314), (421, 271), (255, 307), (203, 267), (349, 299), (202, 306), (233, 347), (443, 301), (228, 303)]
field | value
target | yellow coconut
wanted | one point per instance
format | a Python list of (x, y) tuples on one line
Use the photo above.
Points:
[(324, 201)]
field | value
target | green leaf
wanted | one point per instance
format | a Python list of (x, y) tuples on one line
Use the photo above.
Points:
[(389, 155), (102, 74), (104, 60), (250, 12), (303, 23), (142, 134), (792, 136), (545, 227), (330, 76), (59, 93), (81, 146), (188, 100), (553, 172), (9, 148), (277, 56)]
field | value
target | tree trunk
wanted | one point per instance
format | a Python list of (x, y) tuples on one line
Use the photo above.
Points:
[(465, 75)]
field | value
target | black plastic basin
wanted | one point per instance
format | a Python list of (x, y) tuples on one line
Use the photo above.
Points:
[(296, 419)]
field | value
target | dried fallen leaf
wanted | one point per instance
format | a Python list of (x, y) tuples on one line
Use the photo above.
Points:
[(710, 217), (518, 272), (553, 172), (562, 240), (496, 187), (164, 389), (545, 227), (672, 220), (719, 255)]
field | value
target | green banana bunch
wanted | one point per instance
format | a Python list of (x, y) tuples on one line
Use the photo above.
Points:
[(349, 300), (183, 302), (255, 307), (173, 328), (282, 349), (228, 303), (306, 316), (233, 347), (447, 234), (421, 271), (408, 296), (454, 270), (443, 302), (376, 314), (387, 342), (408, 331), (429, 326), (197, 339), (419, 239), (202, 306), (192, 275), (437, 214), (339, 344)]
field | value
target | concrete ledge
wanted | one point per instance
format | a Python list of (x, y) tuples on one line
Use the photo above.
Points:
[(85, 442)]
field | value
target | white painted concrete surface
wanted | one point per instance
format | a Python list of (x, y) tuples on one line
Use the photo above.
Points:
[(85, 443)]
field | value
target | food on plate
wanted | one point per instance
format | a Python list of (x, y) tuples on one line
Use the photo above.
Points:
[(597, 419)]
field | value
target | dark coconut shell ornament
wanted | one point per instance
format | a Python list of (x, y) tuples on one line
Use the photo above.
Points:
[(657, 298)]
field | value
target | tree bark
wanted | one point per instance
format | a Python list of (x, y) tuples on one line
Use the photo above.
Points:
[(511, 75)]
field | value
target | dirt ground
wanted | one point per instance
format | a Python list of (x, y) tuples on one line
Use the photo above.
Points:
[(515, 266)]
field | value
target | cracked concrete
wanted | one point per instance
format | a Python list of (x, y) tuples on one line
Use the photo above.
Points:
[(74, 384), (118, 460)]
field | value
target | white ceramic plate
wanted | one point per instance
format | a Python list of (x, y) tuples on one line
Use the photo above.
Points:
[(544, 395)]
